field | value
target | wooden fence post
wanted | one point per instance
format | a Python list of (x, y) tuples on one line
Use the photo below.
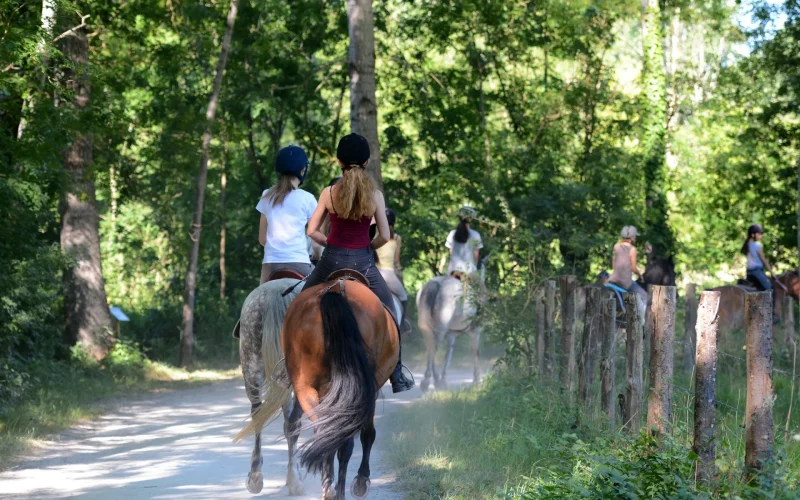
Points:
[(608, 330), (758, 414), (659, 400), (541, 335), (634, 358), (705, 385), (788, 323), (690, 337), (591, 323), (567, 286), (549, 326)]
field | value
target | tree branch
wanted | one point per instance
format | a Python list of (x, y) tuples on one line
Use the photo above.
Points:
[(72, 31)]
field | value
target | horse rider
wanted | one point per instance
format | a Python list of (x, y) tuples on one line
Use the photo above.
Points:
[(350, 205), (285, 211), (757, 262), (624, 262), (389, 264), (464, 244)]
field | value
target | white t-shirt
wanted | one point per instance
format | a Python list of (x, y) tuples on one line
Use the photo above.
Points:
[(462, 259), (286, 227)]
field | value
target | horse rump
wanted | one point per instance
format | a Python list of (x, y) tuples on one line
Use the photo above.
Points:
[(349, 403)]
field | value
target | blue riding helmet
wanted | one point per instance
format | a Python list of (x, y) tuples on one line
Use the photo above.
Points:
[(292, 160)]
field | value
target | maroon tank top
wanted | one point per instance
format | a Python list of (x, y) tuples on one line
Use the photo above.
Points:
[(348, 233)]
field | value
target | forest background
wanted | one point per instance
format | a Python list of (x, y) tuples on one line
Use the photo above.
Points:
[(559, 121)]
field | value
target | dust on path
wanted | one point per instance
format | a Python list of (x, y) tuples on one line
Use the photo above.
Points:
[(178, 445)]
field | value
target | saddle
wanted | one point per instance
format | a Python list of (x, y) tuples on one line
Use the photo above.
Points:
[(746, 285), (459, 275), (284, 273), (348, 275)]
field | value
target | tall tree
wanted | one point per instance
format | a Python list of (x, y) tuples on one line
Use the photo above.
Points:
[(88, 320), (361, 61), (654, 129), (187, 326)]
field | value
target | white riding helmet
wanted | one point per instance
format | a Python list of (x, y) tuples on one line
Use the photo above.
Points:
[(629, 232), (467, 212)]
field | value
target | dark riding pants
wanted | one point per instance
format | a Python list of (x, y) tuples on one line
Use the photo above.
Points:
[(761, 281), (361, 260)]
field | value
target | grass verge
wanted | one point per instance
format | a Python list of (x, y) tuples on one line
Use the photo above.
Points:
[(516, 438), (55, 395)]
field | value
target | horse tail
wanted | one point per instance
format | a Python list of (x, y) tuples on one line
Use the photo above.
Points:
[(426, 304), (272, 306), (349, 403)]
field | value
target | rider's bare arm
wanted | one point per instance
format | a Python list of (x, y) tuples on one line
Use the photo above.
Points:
[(633, 262), (319, 215), (399, 241), (262, 230), (380, 219), (476, 254)]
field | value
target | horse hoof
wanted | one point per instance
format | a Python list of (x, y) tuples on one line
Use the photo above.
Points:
[(255, 482), (360, 487), (295, 490), (424, 385)]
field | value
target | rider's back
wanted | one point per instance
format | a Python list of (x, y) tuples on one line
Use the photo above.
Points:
[(623, 269)]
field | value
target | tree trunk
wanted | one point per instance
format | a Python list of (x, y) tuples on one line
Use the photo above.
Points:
[(361, 62), (187, 327), (87, 318), (659, 402), (222, 231), (48, 22), (654, 129)]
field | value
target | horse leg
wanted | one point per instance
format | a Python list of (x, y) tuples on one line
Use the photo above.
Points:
[(476, 339), (328, 492), (360, 486), (451, 342), (292, 411), (343, 455), (430, 347), (255, 480)]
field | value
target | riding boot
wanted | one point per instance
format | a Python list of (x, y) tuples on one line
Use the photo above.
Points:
[(398, 379)]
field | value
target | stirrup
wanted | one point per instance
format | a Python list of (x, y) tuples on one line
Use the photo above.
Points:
[(403, 384)]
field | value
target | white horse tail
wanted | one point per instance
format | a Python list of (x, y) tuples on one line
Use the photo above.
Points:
[(426, 304), (272, 305)]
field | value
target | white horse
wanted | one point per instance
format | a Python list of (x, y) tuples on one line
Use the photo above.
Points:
[(448, 306), (259, 333)]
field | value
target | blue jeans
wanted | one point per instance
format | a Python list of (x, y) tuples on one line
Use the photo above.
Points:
[(361, 260), (760, 280)]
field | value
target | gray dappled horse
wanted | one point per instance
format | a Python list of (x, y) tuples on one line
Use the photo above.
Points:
[(447, 306), (259, 332)]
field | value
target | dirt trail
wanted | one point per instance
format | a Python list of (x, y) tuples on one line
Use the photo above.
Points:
[(178, 445)]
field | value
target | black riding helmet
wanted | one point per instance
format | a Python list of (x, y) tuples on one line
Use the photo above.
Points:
[(353, 151)]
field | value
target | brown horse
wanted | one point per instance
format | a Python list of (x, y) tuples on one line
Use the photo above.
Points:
[(731, 301), (340, 346)]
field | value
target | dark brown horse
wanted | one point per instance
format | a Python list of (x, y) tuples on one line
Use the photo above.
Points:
[(340, 346), (731, 301)]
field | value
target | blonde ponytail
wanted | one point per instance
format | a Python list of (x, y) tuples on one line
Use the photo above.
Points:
[(352, 195)]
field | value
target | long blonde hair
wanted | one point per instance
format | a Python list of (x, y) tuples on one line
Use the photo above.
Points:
[(352, 195), (280, 190)]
